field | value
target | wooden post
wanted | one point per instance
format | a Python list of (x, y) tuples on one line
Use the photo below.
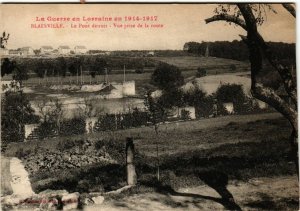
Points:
[(131, 174)]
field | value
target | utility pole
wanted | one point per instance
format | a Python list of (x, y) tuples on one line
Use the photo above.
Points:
[(106, 76), (77, 75), (80, 74), (124, 79)]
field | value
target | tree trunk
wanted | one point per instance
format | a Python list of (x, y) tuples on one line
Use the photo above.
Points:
[(294, 149), (131, 174), (157, 154)]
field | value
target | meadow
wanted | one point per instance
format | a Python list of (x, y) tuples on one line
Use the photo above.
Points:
[(212, 64), (241, 147)]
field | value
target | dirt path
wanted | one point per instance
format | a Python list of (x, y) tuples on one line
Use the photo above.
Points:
[(280, 193), (14, 178), (5, 177)]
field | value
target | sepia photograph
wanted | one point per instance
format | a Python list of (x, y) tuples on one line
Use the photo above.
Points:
[(149, 106)]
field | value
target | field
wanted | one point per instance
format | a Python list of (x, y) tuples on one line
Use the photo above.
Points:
[(244, 156), (212, 64), (191, 154)]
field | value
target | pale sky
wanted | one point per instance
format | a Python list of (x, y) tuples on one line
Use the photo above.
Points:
[(182, 23)]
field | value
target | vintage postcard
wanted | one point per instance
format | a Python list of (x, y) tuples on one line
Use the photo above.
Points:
[(141, 106)]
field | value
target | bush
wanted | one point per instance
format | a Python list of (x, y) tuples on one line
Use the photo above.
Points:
[(232, 93), (139, 71), (232, 67), (115, 148), (185, 115), (68, 144), (111, 122), (167, 77), (203, 104), (201, 72), (72, 127)]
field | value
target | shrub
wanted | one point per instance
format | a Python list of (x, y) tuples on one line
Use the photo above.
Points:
[(201, 72), (115, 148), (72, 127), (232, 67), (232, 93), (139, 71), (185, 115), (167, 77)]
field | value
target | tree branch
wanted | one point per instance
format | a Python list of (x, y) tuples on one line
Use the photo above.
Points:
[(254, 40), (227, 18), (269, 96), (290, 9), (253, 34)]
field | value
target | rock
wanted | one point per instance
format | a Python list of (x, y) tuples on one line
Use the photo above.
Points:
[(11, 200), (53, 204), (50, 203), (49, 192), (70, 201), (88, 201), (98, 199)]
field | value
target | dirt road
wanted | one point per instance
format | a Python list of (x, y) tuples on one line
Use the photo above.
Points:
[(280, 193)]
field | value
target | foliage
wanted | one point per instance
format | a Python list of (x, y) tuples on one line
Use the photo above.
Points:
[(139, 71), (232, 67), (61, 66), (90, 64), (185, 115), (3, 40), (232, 93), (20, 73), (203, 104), (97, 66), (228, 93), (157, 111), (200, 72), (238, 50), (111, 122), (171, 98), (167, 77), (73, 126), (7, 66), (18, 69), (16, 111)]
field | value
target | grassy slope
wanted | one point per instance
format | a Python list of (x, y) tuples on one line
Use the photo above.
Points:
[(192, 63), (241, 147)]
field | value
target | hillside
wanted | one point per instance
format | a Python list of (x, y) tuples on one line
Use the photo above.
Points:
[(213, 65)]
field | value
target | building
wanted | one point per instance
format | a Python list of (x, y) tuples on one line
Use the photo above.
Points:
[(64, 49), (46, 49), (128, 88), (27, 51), (55, 51), (4, 52), (80, 49), (151, 53), (14, 53)]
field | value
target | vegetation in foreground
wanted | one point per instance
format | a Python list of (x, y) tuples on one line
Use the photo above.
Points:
[(186, 160)]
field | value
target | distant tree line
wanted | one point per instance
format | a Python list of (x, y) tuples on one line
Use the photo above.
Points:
[(63, 66), (237, 50)]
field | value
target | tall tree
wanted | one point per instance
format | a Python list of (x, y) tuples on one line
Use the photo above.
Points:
[(20, 73), (16, 111), (157, 114), (167, 77), (3, 40), (249, 17), (7, 66)]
